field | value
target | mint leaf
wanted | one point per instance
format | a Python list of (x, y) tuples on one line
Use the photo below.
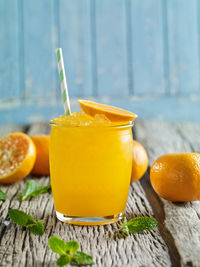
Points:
[(68, 252), (63, 260), (123, 231), (125, 227), (38, 228), (140, 224), (81, 258), (57, 245), (24, 219), (33, 188), (72, 247), (21, 218), (3, 195)]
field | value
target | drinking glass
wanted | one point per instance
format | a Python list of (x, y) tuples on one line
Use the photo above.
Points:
[(90, 169)]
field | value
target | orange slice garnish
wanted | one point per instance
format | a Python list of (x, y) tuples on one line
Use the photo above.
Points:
[(112, 113), (17, 157)]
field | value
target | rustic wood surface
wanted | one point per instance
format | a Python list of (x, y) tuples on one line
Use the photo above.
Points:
[(181, 220), (175, 243)]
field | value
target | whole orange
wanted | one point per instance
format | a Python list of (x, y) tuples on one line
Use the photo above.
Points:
[(41, 166), (176, 177), (139, 162), (17, 157)]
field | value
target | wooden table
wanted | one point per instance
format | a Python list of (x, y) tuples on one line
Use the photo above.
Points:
[(175, 243)]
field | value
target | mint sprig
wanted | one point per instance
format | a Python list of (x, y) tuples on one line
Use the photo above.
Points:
[(69, 252), (135, 225), (140, 224), (21, 218), (32, 189), (3, 195)]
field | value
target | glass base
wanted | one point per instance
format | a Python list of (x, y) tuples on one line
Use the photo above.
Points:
[(89, 220)]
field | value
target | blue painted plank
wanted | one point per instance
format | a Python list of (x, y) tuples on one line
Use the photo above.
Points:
[(75, 39), (164, 108), (147, 47), (183, 46), (9, 50), (111, 48), (40, 41)]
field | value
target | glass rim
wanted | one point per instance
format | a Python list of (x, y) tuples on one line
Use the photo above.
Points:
[(129, 124)]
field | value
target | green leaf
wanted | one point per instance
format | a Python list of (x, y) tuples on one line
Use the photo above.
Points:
[(21, 218), (81, 258), (58, 245), (63, 260), (140, 224), (72, 247), (38, 228), (24, 219), (123, 231), (68, 252), (33, 188), (125, 227), (3, 195)]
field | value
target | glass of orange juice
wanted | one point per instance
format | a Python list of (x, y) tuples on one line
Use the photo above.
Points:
[(90, 166)]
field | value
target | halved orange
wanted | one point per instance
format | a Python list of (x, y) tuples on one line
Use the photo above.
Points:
[(112, 113), (17, 157)]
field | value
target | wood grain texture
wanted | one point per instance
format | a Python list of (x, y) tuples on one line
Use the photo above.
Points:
[(39, 42), (20, 248), (111, 50), (147, 47), (181, 220), (138, 54), (183, 46), (39, 128), (76, 40), (9, 54), (10, 128), (166, 108)]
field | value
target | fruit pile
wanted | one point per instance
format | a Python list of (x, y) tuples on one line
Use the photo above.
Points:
[(21, 154)]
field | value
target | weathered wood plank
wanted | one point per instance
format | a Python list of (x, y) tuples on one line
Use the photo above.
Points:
[(191, 134), (9, 55), (183, 45), (39, 128), (20, 248), (166, 108), (40, 41), (111, 49), (147, 47), (76, 41), (181, 220), (10, 128)]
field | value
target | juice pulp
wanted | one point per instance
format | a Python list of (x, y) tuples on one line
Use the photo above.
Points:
[(90, 165)]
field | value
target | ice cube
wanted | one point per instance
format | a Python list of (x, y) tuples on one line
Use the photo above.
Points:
[(102, 119)]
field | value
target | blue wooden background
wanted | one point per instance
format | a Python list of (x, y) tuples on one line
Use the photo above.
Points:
[(142, 55)]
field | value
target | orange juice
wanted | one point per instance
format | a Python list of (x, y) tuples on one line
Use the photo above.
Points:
[(90, 166)]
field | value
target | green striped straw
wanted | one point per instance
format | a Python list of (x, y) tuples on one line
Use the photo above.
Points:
[(63, 81)]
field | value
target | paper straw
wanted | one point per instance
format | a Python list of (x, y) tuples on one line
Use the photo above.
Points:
[(63, 81)]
